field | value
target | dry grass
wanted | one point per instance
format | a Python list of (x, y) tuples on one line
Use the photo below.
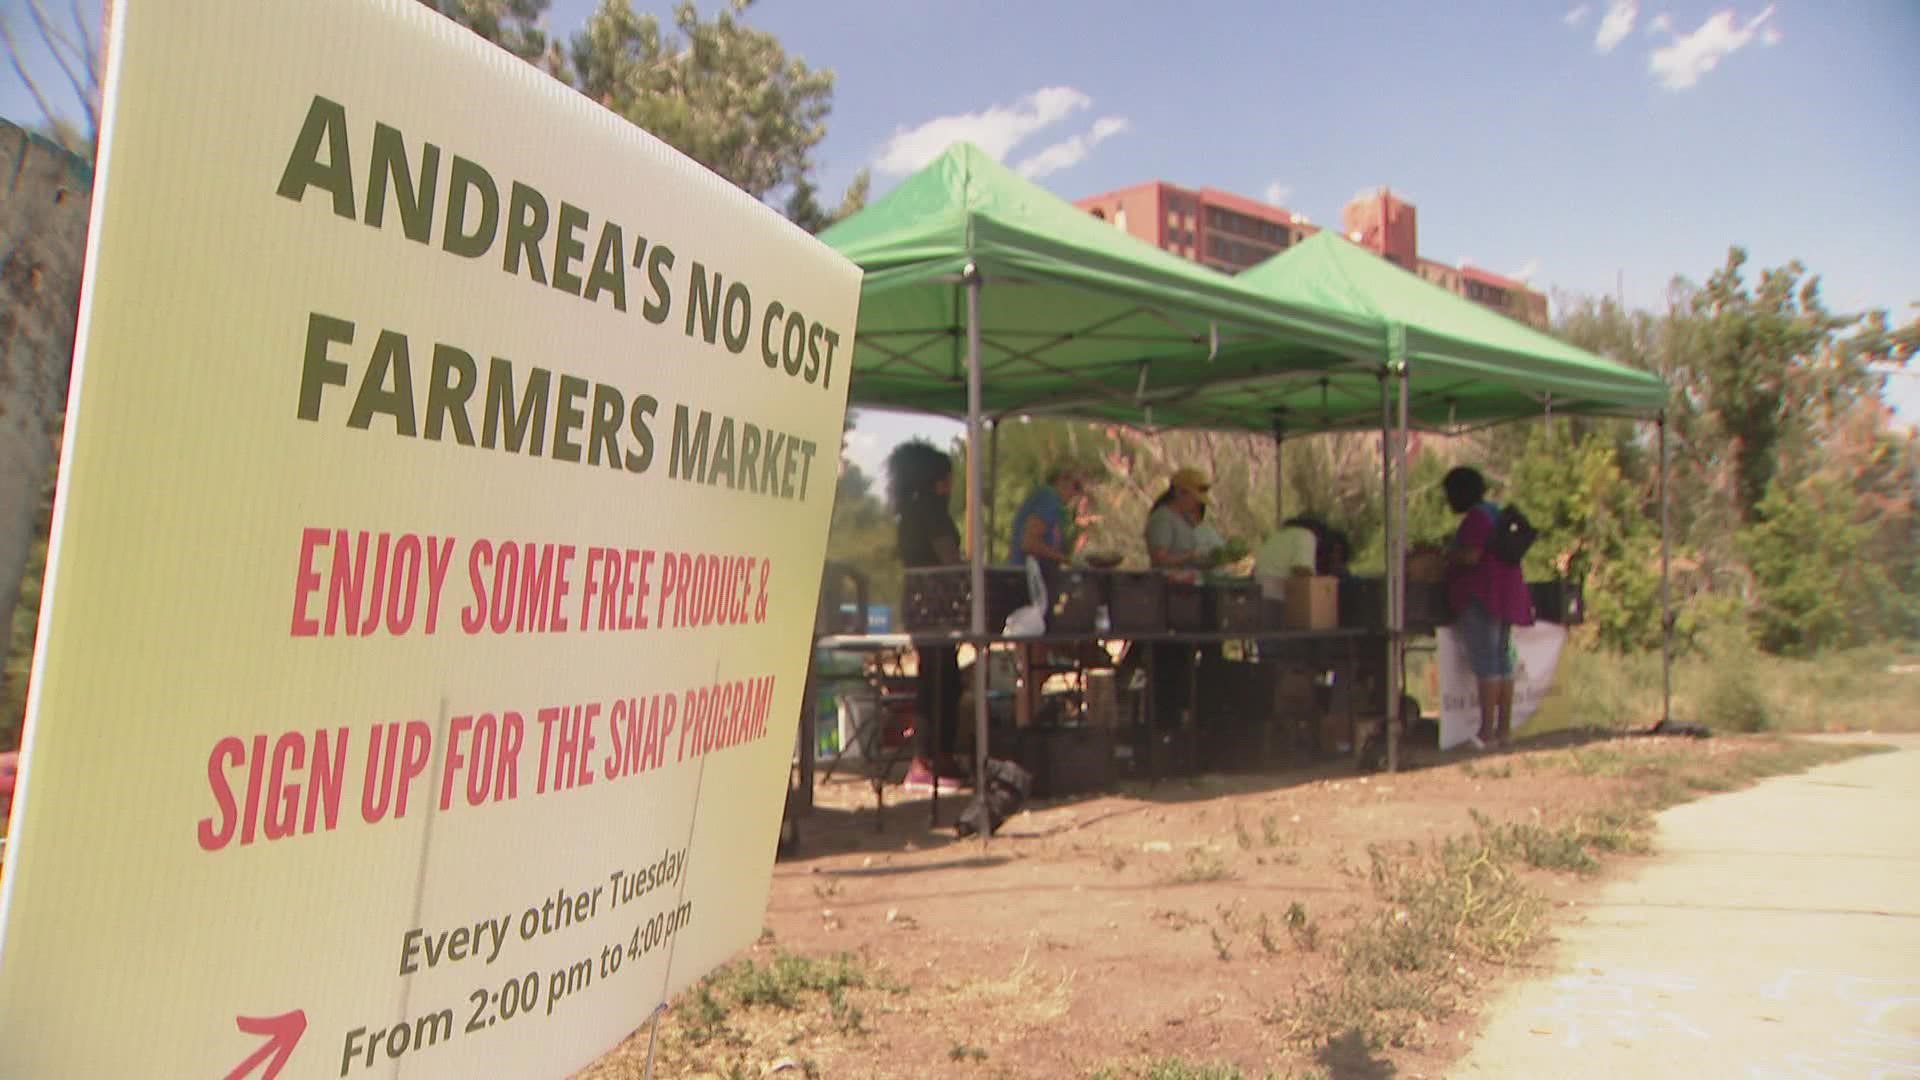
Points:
[(751, 1010), (1024, 995), (1465, 903), (1876, 688)]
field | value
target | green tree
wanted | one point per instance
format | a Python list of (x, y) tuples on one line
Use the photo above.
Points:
[(862, 535), (514, 25), (1594, 529), (1816, 589), (1775, 363), (1775, 406), (803, 205), (719, 91)]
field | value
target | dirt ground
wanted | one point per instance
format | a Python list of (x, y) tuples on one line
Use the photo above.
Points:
[(1145, 932)]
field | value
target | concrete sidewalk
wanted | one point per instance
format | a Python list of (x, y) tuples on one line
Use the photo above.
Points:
[(1775, 935)]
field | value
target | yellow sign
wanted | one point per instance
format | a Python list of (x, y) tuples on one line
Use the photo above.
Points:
[(441, 519)]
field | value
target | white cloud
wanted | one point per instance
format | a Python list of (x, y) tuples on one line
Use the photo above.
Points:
[(1527, 271), (1690, 56), (1615, 25), (1276, 193), (996, 129), (1771, 36), (1577, 15), (1070, 152), (1660, 24)]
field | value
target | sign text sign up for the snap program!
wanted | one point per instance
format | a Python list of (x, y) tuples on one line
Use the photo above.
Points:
[(442, 512)]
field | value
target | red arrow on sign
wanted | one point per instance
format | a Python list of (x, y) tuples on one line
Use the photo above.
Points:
[(283, 1034)]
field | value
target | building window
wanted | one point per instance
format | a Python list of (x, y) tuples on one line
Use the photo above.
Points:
[(1099, 214)]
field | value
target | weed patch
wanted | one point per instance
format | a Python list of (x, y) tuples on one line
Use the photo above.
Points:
[(706, 1015), (1400, 969), (1203, 865), (1182, 1069), (1301, 927), (1570, 846)]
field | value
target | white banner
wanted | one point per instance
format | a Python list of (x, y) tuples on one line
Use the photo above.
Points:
[(1536, 651), (443, 500)]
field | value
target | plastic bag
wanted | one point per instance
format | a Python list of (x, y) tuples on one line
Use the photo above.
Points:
[(1031, 620)]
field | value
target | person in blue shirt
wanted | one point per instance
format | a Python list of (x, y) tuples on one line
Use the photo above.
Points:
[(1040, 533), (1040, 525)]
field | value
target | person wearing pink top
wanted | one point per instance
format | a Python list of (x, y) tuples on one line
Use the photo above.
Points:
[(1489, 598)]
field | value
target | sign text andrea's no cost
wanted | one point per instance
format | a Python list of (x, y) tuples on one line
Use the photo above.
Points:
[(436, 391)]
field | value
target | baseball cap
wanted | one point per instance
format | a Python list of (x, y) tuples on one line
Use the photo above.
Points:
[(1193, 480)]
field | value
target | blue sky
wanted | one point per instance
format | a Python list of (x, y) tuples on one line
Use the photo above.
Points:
[(1587, 146)]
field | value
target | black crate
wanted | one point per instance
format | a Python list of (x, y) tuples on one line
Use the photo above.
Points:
[(1427, 605), (1236, 750), (1074, 598), (1186, 606), (1137, 602), (1363, 603), (1233, 607), (1234, 694), (940, 598), (1159, 753), (1562, 602), (1068, 760), (1273, 613)]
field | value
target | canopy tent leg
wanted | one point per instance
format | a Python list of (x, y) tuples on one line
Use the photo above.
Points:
[(1390, 513), (1279, 472), (993, 477), (1398, 571), (976, 550), (1666, 597)]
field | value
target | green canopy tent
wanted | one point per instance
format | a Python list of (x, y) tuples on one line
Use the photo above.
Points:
[(1075, 316), (1080, 319), (1465, 365), (986, 294), (1453, 365)]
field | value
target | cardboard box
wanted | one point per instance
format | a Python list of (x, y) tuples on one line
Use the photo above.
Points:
[(1312, 603), (1427, 567)]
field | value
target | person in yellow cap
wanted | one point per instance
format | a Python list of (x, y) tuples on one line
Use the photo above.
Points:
[(1173, 542)]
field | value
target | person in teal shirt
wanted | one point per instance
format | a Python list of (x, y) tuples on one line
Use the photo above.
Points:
[(1040, 525)]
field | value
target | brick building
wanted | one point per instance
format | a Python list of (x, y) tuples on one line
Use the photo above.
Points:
[(1218, 228), (1231, 233), (1382, 222)]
